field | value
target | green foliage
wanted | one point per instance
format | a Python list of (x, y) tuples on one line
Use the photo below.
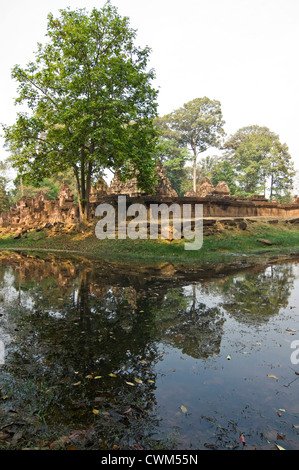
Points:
[(224, 171), (5, 199), (49, 186), (217, 248), (91, 101), (174, 159), (197, 125), (261, 162), (5, 194)]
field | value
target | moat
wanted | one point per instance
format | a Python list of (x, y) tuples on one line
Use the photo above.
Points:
[(102, 357)]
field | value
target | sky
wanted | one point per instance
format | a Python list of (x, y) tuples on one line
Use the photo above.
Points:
[(243, 53)]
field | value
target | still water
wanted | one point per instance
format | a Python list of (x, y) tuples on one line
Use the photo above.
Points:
[(99, 356)]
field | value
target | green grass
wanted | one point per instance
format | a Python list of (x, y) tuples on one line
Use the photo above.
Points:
[(216, 248)]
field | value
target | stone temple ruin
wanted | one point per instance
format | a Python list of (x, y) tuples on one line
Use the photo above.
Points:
[(163, 187), (207, 189), (41, 212)]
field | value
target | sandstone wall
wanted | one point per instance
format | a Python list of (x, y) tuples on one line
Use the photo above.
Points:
[(40, 212), (219, 206)]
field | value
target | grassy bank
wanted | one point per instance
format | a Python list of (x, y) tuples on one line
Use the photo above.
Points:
[(217, 247)]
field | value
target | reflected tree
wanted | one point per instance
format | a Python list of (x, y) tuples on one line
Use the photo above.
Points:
[(255, 296), (83, 334)]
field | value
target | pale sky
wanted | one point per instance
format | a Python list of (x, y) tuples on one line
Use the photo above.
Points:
[(243, 53)]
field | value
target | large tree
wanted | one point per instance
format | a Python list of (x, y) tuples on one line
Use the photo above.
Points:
[(91, 103), (262, 163), (198, 125)]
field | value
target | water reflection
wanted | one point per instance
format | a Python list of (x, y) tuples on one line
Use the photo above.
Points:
[(261, 294), (86, 342)]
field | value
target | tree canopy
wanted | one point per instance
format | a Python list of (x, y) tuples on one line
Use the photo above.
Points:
[(197, 125), (91, 103), (262, 164)]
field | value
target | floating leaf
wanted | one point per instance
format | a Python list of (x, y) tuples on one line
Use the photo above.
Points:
[(98, 377), (89, 377), (228, 358), (112, 375), (139, 381), (130, 383), (143, 361), (272, 376), (184, 409), (128, 411), (77, 383), (151, 381), (96, 412)]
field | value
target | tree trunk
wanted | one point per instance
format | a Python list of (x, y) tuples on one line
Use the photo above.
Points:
[(84, 205), (82, 195), (83, 179), (271, 188), (87, 190), (194, 167), (84, 214), (194, 175), (264, 185)]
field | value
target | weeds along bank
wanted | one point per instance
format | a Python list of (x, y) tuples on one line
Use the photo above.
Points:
[(222, 238)]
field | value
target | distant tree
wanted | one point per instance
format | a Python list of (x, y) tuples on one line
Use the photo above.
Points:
[(224, 171), (205, 167), (49, 186), (5, 193), (261, 162), (197, 125), (91, 103), (5, 200), (174, 159), (281, 172), (217, 169)]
